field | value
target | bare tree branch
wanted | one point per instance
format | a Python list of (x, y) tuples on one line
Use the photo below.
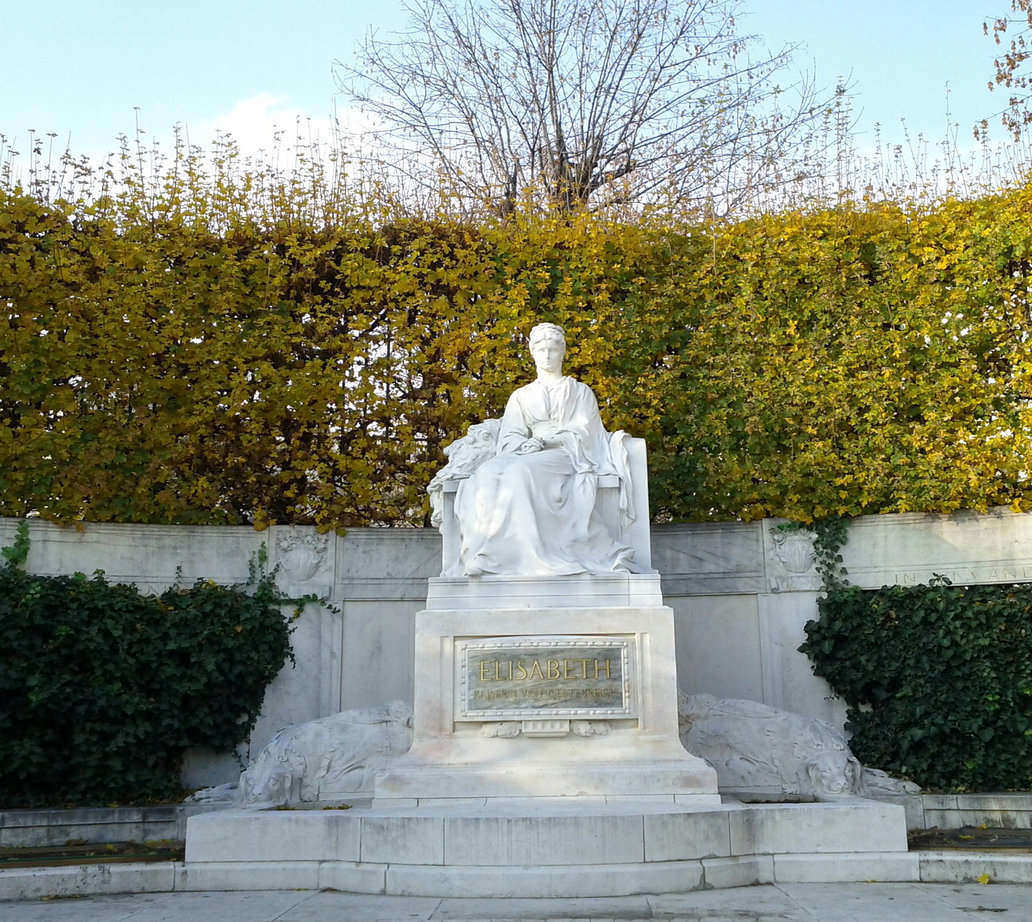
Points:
[(1011, 66), (585, 102)]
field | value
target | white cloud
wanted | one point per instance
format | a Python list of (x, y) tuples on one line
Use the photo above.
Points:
[(264, 124), (256, 122), (266, 121)]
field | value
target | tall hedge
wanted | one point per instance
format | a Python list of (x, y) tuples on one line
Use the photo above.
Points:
[(169, 367)]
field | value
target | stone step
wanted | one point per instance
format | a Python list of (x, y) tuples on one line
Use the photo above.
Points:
[(565, 846)]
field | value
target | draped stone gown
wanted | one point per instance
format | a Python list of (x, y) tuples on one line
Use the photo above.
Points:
[(531, 514)]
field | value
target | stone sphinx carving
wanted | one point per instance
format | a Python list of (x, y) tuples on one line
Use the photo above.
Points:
[(760, 750), (527, 484), (334, 756)]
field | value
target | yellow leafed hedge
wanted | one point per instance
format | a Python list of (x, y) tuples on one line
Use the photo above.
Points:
[(847, 361)]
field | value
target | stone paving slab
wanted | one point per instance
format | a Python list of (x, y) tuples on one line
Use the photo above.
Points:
[(620, 907), (898, 902), (912, 902)]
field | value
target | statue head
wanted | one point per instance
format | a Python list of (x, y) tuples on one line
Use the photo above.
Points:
[(548, 347)]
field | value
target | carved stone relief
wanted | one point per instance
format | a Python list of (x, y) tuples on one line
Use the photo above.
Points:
[(762, 750), (790, 558), (304, 560)]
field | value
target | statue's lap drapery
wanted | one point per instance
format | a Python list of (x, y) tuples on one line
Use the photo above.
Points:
[(530, 513)]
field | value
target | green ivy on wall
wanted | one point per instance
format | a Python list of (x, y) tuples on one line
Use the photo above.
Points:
[(102, 689), (937, 679)]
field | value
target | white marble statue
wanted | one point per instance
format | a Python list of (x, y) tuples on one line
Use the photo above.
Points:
[(332, 757), (762, 750), (524, 505)]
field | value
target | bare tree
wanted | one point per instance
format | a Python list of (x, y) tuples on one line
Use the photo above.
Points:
[(585, 101), (1010, 68)]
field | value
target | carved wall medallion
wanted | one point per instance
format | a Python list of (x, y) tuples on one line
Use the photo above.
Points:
[(794, 549), (301, 556)]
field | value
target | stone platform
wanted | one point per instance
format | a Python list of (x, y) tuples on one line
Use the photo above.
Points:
[(543, 847)]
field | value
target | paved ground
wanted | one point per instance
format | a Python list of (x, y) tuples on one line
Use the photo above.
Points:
[(769, 903)]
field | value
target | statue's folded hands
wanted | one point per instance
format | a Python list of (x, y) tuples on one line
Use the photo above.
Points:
[(529, 445)]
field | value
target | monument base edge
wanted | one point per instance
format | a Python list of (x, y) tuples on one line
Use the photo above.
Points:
[(674, 779)]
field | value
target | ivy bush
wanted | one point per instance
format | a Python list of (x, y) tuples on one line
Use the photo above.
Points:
[(102, 689), (937, 680)]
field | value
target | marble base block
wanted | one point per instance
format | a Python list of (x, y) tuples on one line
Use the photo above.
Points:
[(549, 847), (545, 703), (495, 593)]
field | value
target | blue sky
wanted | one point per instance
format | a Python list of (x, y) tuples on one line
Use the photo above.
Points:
[(902, 55), (79, 69)]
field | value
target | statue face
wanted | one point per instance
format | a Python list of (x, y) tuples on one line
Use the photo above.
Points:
[(548, 354)]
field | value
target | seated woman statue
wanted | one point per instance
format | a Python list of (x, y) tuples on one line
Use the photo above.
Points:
[(528, 510)]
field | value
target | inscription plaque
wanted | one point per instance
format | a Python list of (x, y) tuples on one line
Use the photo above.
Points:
[(504, 678)]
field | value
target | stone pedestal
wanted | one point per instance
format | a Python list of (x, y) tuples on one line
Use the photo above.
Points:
[(557, 700), (546, 762)]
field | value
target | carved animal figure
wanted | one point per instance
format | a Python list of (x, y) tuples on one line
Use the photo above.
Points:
[(762, 750), (321, 759)]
